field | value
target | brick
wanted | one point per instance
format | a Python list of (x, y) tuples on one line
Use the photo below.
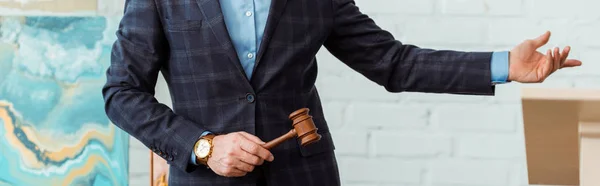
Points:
[(508, 93), (505, 7), (482, 7), (381, 170), (375, 184), (588, 83), (511, 92), (139, 179), (361, 184), (366, 115), (502, 31), (518, 174), (141, 162), (589, 33), (469, 172), (330, 65), (463, 7), (554, 81), (350, 142), (410, 144), (574, 9), (480, 118), (563, 32), (353, 88), (334, 113), (163, 95), (413, 97), (389, 23), (591, 64), (446, 30), (495, 146), (136, 144), (420, 7)]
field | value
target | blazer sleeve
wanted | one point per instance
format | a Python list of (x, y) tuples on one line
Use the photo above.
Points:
[(359, 43), (136, 59)]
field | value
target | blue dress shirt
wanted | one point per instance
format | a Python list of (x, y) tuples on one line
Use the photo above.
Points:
[(246, 21), (499, 67)]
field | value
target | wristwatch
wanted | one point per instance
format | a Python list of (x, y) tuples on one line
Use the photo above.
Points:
[(203, 149)]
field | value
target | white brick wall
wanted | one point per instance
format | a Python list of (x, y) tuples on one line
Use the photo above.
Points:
[(414, 139)]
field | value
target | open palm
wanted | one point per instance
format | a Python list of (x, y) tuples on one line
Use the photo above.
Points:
[(527, 65)]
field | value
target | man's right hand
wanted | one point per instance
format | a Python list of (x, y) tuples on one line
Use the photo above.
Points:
[(236, 154)]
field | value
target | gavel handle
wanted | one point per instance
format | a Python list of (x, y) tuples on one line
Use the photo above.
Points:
[(279, 140)]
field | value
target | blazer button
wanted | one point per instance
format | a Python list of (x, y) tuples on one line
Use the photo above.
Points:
[(250, 98), (170, 158)]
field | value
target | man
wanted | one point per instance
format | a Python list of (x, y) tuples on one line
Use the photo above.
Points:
[(237, 68)]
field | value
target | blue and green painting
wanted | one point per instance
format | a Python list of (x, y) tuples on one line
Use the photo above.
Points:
[(53, 128)]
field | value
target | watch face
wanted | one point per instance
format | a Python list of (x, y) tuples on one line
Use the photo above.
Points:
[(203, 148)]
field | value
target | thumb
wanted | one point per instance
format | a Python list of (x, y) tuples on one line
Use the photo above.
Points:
[(542, 40)]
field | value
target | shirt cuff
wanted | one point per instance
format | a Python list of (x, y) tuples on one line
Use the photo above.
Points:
[(499, 67), (193, 158)]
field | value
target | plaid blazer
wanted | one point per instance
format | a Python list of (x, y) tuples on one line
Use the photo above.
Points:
[(188, 42)]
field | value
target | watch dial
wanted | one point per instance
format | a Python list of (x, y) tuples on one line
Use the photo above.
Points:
[(203, 149)]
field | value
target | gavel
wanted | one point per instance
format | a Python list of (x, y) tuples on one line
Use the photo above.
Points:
[(303, 127)]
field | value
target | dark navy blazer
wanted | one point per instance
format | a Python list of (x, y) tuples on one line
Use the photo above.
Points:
[(188, 42)]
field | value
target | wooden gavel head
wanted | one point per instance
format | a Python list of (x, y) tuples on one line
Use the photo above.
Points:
[(305, 127)]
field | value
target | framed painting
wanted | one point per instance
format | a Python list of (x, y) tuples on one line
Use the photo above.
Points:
[(53, 128)]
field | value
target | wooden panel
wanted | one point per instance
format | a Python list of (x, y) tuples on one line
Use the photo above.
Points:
[(561, 94), (590, 111), (552, 141), (590, 153)]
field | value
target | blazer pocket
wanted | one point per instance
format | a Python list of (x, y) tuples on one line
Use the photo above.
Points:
[(183, 25), (323, 145)]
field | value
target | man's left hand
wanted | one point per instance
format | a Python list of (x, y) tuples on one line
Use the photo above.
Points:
[(529, 66)]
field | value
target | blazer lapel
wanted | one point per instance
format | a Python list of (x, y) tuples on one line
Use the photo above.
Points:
[(276, 10), (211, 10)]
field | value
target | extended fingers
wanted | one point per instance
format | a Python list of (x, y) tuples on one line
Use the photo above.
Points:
[(572, 63), (562, 59), (556, 59), (549, 65), (564, 56), (569, 62)]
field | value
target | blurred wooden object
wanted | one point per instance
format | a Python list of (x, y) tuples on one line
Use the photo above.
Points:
[(159, 170), (62, 6), (562, 136)]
